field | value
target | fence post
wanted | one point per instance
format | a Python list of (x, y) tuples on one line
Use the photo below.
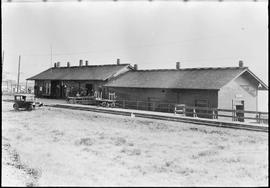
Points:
[(259, 117), (214, 114), (194, 112)]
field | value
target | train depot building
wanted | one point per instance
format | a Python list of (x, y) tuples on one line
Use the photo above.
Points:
[(62, 82), (221, 87), (214, 87)]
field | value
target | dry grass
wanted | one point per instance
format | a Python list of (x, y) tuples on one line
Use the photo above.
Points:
[(90, 149)]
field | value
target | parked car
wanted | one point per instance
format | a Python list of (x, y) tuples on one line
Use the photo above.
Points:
[(26, 101)]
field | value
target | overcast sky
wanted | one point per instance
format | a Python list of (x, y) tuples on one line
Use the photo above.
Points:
[(150, 34)]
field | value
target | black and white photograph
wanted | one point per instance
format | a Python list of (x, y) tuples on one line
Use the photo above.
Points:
[(124, 93)]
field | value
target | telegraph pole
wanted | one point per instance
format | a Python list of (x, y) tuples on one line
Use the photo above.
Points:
[(51, 56), (26, 91), (18, 81)]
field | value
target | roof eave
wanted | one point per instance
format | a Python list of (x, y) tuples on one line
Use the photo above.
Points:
[(264, 86), (160, 87), (68, 79)]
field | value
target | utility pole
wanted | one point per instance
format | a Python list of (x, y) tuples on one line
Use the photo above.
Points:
[(51, 56), (18, 81), (26, 91)]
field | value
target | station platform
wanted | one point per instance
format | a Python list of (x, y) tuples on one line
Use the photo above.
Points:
[(157, 115), (61, 103)]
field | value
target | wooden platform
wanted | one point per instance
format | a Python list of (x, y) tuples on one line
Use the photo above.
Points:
[(167, 116), (156, 115)]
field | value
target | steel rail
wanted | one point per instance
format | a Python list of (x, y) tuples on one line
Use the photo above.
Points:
[(200, 121)]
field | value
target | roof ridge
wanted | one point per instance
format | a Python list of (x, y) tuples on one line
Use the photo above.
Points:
[(77, 66), (199, 68)]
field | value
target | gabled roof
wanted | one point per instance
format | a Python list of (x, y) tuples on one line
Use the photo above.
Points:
[(190, 78), (90, 72), (263, 86)]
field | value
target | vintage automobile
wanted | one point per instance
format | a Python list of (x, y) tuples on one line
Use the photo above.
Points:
[(26, 101)]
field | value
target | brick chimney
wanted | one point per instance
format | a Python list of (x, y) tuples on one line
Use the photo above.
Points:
[(68, 64), (241, 63), (86, 63), (81, 62), (118, 62), (58, 64), (135, 67), (177, 65), (55, 64)]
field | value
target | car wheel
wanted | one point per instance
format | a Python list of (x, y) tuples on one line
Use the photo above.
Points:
[(16, 106), (30, 108)]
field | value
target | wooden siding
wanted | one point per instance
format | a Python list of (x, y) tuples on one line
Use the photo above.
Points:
[(176, 96), (64, 88), (239, 89)]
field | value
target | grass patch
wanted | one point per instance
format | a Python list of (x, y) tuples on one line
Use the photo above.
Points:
[(84, 142)]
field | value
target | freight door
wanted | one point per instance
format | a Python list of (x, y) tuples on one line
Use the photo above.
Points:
[(152, 103), (56, 89), (89, 89), (240, 115)]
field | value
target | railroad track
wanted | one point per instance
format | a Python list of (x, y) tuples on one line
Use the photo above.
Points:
[(199, 121)]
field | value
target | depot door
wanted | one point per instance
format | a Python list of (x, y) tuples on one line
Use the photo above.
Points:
[(240, 115), (89, 89), (56, 89)]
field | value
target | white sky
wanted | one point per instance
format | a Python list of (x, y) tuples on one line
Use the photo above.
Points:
[(150, 34)]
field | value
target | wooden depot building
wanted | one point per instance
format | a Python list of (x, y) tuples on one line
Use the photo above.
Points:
[(214, 87), (221, 87), (61, 82)]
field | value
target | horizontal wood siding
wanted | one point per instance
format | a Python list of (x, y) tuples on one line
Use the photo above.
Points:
[(176, 96), (239, 89)]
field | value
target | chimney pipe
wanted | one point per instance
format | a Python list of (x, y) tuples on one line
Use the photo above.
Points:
[(135, 67), (80, 62), (177, 65), (241, 63), (55, 65), (118, 62), (86, 63), (68, 64)]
